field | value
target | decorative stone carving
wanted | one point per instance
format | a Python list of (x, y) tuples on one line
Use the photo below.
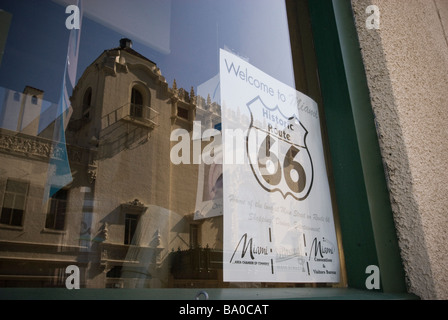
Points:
[(136, 202), (192, 96), (105, 231), (181, 93), (31, 146), (209, 100), (25, 145), (104, 255), (91, 173), (156, 239), (135, 206)]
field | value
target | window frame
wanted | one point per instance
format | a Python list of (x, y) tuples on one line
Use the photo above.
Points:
[(87, 103), (34, 99), (9, 225), (51, 200), (183, 113), (195, 235), (136, 109), (129, 237), (362, 195)]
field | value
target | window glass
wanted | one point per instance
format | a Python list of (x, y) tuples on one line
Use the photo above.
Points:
[(130, 228), (57, 210), (136, 103), (14, 203), (127, 186), (87, 101)]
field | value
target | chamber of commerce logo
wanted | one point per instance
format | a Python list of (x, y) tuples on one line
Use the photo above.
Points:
[(277, 151)]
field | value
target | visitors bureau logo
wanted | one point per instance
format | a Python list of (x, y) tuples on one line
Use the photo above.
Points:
[(277, 151)]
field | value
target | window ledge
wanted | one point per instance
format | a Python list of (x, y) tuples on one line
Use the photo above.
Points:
[(54, 231), (214, 294), (7, 226)]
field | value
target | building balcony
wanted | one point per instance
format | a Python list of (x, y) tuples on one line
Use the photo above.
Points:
[(139, 115), (196, 263)]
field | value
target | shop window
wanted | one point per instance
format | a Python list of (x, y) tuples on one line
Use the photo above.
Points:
[(14, 202), (265, 54)]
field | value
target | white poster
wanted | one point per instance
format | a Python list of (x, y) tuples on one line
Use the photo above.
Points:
[(278, 217)]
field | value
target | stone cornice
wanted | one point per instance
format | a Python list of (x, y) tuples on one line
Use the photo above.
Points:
[(37, 148)]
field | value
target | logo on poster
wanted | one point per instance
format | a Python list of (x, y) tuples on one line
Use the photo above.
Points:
[(277, 151), (320, 250), (248, 246)]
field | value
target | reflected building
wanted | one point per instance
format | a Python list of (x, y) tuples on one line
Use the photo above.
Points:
[(127, 217)]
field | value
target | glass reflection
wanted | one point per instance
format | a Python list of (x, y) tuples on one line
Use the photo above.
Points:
[(127, 217)]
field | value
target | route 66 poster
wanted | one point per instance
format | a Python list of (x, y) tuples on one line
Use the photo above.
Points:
[(278, 216)]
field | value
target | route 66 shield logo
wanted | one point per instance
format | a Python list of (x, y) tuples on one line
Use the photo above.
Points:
[(277, 151)]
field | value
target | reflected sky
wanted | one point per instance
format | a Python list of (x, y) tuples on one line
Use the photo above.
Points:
[(254, 29)]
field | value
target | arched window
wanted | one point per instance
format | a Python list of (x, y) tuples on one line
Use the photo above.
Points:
[(136, 103), (86, 103)]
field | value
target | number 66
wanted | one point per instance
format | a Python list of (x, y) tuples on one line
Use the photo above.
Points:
[(269, 164)]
